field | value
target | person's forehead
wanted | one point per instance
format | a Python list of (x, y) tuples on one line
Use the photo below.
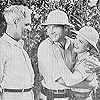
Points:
[(79, 37), (54, 26), (57, 27)]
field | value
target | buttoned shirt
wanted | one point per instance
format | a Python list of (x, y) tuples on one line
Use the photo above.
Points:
[(80, 73), (53, 66), (82, 67), (51, 62), (84, 71), (16, 71)]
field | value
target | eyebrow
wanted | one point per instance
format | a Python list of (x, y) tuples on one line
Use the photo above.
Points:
[(80, 40)]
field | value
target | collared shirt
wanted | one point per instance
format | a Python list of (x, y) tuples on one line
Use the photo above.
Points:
[(16, 71), (80, 73), (52, 66), (84, 70), (51, 62)]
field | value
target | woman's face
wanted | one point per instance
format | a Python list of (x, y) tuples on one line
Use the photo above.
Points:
[(55, 32), (80, 44)]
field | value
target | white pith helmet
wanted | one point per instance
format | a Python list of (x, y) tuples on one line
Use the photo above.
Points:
[(92, 3), (57, 17), (90, 34)]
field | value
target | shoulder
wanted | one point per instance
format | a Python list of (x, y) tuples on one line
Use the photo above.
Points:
[(44, 46), (4, 47), (92, 61), (91, 58), (3, 44)]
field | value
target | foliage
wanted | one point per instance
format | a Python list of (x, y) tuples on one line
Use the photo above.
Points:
[(79, 14)]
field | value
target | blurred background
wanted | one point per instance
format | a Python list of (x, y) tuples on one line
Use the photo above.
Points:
[(80, 13)]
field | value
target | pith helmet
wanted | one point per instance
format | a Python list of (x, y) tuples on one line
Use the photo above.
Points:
[(57, 17), (90, 34)]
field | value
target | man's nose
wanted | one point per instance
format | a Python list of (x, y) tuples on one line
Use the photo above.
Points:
[(55, 33), (75, 42)]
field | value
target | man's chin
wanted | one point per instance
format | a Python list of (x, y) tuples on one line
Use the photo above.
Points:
[(75, 50), (55, 40)]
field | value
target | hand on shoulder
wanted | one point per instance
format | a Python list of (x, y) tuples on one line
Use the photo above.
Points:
[(93, 64)]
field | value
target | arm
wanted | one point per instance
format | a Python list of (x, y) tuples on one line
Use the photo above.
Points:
[(47, 63), (73, 78), (91, 79), (94, 64), (51, 63), (83, 84), (2, 60)]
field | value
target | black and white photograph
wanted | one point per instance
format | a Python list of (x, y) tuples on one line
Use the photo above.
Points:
[(49, 49)]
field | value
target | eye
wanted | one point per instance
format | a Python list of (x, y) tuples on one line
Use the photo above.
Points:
[(75, 38), (81, 41), (53, 33)]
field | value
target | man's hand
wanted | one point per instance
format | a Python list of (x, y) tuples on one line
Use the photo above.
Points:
[(92, 61), (37, 83), (38, 78), (93, 64)]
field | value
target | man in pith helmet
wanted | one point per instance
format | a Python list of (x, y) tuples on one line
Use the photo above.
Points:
[(56, 47)]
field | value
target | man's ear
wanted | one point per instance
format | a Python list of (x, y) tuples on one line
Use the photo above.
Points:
[(16, 22)]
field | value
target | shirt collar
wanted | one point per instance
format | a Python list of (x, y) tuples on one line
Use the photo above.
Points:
[(68, 42), (8, 39), (51, 40)]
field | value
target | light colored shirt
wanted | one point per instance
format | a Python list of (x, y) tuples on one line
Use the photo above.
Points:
[(16, 71), (51, 62), (80, 73), (84, 70), (53, 66)]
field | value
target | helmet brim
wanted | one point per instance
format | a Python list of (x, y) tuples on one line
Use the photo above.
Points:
[(63, 24), (78, 33)]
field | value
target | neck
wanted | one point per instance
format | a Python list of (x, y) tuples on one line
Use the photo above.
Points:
[(81, 54), (10, 32), (63, 41)]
